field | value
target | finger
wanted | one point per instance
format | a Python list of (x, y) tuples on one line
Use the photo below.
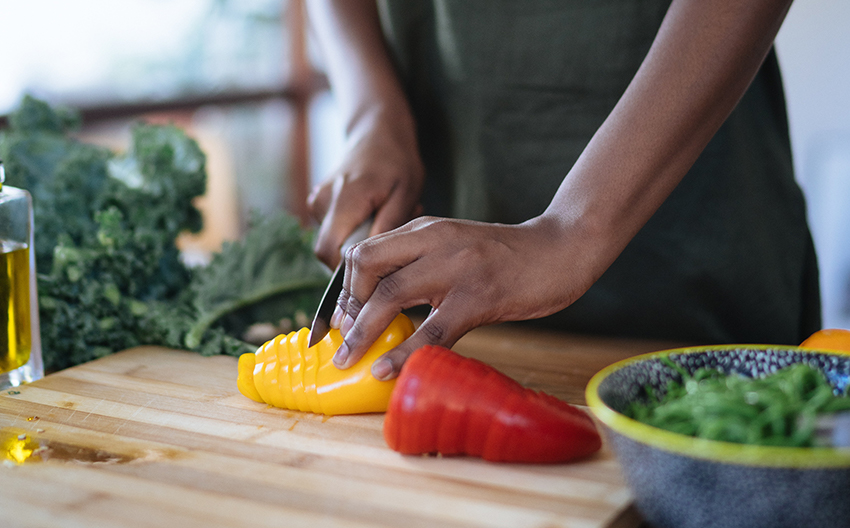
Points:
[(343, 217), (339, 309), (399, 208), (383, 263), (408, 286), (347, 306), (319, 201), (440, 328), (355, 346), (367, 262)]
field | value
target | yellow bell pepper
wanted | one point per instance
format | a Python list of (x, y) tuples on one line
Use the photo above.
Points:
[(286, 373)]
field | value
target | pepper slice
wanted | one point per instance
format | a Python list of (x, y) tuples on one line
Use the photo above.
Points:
[(451, 436)]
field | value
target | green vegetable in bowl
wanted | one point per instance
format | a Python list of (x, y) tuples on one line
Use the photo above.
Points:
[(780, 409)]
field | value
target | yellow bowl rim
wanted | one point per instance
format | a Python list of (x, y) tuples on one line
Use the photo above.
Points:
[(725, 452)]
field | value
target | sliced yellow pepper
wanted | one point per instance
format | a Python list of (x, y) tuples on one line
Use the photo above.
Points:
[(286, 373)]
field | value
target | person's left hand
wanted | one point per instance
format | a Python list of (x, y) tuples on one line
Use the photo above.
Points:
[(470, 273)]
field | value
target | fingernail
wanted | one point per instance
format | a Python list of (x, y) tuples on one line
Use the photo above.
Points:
[(346, 325), (336, 318), (341, 355), (382, 368)]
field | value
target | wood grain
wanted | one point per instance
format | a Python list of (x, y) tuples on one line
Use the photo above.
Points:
[(157, 437)]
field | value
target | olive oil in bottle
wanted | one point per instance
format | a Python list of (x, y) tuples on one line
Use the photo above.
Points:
[(15, 329), (20, 340)]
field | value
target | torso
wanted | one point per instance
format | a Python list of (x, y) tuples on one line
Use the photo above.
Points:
[(508, 93)]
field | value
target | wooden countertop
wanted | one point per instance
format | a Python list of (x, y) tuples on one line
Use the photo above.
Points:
[(157, 437)]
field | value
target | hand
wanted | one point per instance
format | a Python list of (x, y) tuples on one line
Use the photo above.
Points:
[(380, 177), (470, 273), (382, 174)]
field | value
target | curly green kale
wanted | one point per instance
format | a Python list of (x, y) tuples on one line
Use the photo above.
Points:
[(274, 262), (109, 272)]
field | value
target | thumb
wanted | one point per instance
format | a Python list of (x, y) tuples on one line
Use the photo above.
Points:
[(437, 329)]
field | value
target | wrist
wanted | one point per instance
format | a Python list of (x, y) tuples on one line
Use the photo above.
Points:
[(386, 139), (580, 245), (390, 121)]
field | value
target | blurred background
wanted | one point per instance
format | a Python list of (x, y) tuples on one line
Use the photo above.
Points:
[(244, 78)]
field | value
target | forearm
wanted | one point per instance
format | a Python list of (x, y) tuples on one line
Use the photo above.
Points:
[(703, 59), (381, 174), (361, 73)]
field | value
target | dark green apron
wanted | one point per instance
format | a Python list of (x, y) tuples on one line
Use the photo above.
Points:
[(508, 93)]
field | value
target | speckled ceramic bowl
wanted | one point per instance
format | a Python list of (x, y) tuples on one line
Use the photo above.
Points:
[(682, 482)]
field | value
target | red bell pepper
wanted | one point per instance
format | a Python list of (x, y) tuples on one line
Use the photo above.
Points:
[(449, 404)]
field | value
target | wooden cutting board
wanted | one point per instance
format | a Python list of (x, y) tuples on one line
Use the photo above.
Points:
[(157, 437)]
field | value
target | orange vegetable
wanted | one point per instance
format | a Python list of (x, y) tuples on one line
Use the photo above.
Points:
[(286, 373), (828, 339)]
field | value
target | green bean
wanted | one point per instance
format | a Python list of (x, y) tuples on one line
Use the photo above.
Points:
[(780, 409)]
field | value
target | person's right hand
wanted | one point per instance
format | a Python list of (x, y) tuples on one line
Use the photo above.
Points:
[(381, 176)]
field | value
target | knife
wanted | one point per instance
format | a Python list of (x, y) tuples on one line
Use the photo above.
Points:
[(322, 321)]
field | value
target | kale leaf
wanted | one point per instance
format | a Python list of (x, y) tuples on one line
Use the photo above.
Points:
[(274, 261)]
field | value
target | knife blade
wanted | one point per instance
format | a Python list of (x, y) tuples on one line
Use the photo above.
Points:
[(322, 321)]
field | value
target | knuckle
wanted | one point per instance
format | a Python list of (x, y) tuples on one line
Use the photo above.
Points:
[(388, 288), (421, 222), (342, 300), (354, 254), (444, 229), (434, 332), (360, 255), (354, 306)]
